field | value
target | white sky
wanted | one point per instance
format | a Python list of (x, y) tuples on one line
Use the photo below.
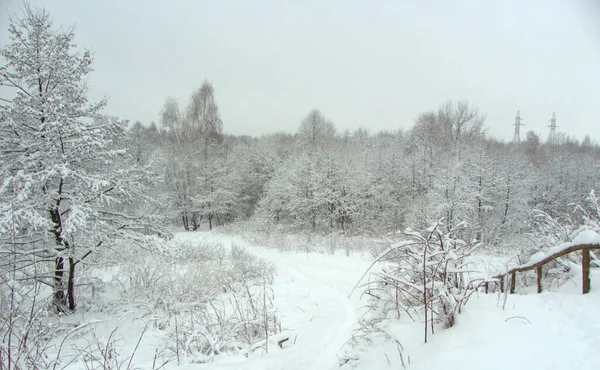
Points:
[(370, 64)]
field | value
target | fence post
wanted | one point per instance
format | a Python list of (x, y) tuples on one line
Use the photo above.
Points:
[(585, 271)]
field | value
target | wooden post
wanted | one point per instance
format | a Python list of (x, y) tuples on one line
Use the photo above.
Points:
[(512, 282), (585, 271), (538, 269)]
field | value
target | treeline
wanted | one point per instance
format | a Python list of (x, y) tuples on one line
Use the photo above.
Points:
[(323, 180)]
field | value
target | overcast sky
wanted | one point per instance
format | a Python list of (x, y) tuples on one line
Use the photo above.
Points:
[(370, 64)]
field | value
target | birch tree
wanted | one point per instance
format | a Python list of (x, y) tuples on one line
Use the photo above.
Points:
[(182, 148)]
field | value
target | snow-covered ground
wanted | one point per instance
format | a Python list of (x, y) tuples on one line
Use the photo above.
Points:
[(546, 331), (553, 330), (311, 294)]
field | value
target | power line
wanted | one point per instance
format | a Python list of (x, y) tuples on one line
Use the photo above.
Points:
[(518, 124), (552, 134)]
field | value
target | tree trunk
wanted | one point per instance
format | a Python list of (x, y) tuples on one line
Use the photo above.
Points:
[(71, 285), (425, 289), (64, 296), (60, 291), (195, 223), (538, 271), (59, 299), (184, 219), (506, 204), (331, 217), (513, 282)]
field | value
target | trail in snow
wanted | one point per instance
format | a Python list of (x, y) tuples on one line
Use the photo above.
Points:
[(311, 296)]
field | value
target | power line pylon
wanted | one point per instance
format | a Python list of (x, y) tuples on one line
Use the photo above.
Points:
[(552, 134), (518, 124)]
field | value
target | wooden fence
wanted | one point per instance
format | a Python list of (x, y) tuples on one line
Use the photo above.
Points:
[(537, 266)]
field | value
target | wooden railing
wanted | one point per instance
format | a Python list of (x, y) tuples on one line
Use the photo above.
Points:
[(537, 266)]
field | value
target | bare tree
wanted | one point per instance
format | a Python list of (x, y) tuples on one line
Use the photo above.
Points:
[(183, 141), (316, 132), (202, 115)]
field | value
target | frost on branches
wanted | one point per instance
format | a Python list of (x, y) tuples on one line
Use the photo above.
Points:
[(62, 174), (425, 279)]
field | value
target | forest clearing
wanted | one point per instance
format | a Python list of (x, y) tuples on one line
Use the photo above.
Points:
[(177, 245)]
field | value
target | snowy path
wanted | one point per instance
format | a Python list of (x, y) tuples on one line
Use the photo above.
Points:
[(311, 295)]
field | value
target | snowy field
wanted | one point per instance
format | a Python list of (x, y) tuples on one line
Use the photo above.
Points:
[(554, 330), (344, 240)]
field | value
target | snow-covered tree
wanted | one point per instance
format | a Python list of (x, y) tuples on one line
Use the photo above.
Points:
[(203, 116), (217, 197), (253, 164), (316, 133), (193, 146), (61, 175), (181, 149)]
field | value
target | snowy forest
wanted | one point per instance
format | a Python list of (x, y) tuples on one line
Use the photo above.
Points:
[(173, 244)]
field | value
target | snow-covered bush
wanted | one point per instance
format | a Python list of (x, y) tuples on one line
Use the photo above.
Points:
[(590, 213), (426, 279), (31, 337), (23, 334), (283, 239), (206, 299), (551, 231), (209, 299)]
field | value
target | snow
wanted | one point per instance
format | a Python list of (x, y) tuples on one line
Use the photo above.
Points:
[(587, 237), (553, 330), (584, 237), (537, 257), (558, 330), (311, 292)]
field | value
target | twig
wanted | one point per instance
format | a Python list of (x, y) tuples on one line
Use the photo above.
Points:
[(518, 317)]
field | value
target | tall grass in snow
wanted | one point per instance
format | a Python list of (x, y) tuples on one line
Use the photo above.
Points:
[(208, 299)]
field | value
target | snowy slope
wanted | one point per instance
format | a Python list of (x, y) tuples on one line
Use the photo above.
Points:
[(546, 331), (553, 330)]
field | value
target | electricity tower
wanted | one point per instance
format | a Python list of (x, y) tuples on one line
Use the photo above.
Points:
[(518, 124), (552, 134)]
